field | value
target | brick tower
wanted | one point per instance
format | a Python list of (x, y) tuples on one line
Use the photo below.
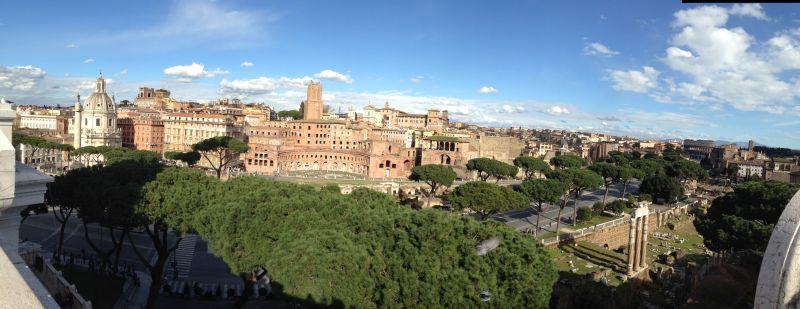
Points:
[(313, 107)]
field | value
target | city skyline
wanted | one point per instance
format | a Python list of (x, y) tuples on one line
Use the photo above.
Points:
[(670, 71)]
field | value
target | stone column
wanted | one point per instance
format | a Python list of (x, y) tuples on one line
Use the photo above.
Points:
[(637, 248), (643, 253), (631, 245)]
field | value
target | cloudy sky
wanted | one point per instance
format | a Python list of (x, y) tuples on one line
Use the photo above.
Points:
[(653, 69)]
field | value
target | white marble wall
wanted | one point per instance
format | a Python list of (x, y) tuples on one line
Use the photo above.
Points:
[(779, 278)]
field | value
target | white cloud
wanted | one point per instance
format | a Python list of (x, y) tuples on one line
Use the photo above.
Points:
[(556, 110), (513, 109), (636, 81), (598, 48), (20, 78), (727, 65), (487, 89), (71, 45), (416, 79), (246, 64), (188, 73), (88, 61), (261, 85), (749, 9), (334, 76), (123, 72)]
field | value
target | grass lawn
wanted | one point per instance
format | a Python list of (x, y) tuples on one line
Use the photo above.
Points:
[(102, 291), (594, 221)]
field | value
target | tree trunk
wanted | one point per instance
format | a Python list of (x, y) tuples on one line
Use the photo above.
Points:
[(605, 196), (560, 210), (624, 189), (575, 210), (156, 273), (538, 219)]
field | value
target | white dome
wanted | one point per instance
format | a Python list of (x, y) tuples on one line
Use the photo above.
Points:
[(99, 101)]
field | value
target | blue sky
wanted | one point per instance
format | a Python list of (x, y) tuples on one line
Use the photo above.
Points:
[(654, 69)]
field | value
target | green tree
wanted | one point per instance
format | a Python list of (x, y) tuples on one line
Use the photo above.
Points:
[(618, 158), (567, 161), (220, 151), (190, 157), (626, 174), (578, 180), (685, 170), (584, 214), (744, 219), (169, 203), (650, 167), (296, 115), (104, 196), (363, 250), (661, 186), (542, 191), (583, 180), (435, 176), (486, 199), (617, 206), (486, 168), (608, 172), (531, 166)]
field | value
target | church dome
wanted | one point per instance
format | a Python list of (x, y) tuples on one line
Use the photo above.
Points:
[(99, 101)]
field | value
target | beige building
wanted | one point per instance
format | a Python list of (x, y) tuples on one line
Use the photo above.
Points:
[(182, 130), (388, 117), (152, 98)]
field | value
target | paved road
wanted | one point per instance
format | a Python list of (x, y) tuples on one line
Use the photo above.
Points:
[(523, 219)]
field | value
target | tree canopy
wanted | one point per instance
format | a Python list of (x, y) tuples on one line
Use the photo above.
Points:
[(609, 172), (434, 175), (220, 151), (486, 199), (190, 157), (487, 167), (364, 250), (661, 186), (295, 114), (567, 161), (744, 219), (685, 170), (531, 165)]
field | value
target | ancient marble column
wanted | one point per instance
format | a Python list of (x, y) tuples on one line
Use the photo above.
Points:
[(637, 247), (643, 253), (631, 245)]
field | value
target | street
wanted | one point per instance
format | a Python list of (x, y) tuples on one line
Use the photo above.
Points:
[(523, 219)]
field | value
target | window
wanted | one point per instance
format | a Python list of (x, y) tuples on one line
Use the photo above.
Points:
[(97, 122)]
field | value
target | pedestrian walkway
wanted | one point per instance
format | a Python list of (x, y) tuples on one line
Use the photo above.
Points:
[(183, 256)]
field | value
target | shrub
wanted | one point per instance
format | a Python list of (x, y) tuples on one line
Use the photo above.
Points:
[(617, 206), (585, 214), (645, 198), (598, 208)]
